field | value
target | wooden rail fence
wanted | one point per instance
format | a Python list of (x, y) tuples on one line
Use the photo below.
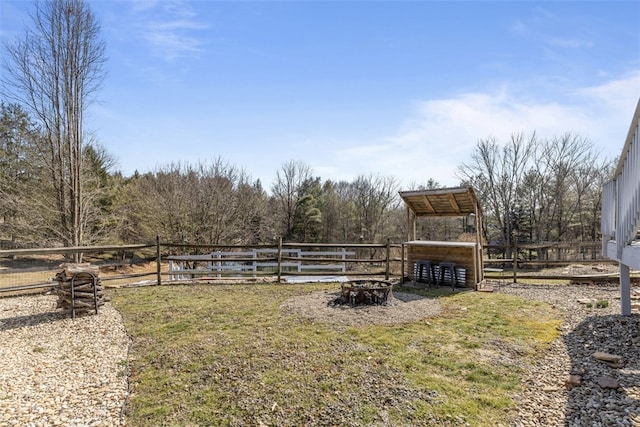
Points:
[(24, 269)]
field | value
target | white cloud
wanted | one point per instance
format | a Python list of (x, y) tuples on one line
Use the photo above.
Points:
[(614, 94), (608, 109), (143, 5), (518, 27), (443, 132), (170, 27), (571, 43)]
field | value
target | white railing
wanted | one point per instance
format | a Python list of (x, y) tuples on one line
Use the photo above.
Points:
[(608, 222), (621, 196), (629, 193), (620, 225)]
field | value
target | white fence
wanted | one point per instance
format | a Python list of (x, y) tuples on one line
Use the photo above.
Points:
[(256, 262)]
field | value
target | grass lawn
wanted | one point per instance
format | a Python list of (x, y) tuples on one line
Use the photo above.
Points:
[(213, 355)]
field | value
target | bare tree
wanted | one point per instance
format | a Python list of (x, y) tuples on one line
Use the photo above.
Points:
[(497, 171), (286, 191), (374, 197), (211, 202), (54, 71), (224, 204), (548, 190), (339, 216), (568, 169)]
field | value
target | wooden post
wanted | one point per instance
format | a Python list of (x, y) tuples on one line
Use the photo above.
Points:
[(279, 259), (515, 257), (479, 250), (414, 223), (401, 263), (158, 261), (386, 276), (411, 225)]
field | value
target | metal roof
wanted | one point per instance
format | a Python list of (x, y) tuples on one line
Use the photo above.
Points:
[(458, 201)]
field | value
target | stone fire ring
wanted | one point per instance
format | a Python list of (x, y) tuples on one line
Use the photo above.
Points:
[(365, 292)]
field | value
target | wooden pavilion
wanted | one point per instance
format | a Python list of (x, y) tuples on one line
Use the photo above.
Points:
[(465, 257)]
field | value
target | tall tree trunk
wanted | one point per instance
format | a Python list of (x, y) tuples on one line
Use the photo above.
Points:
[(53, 71)]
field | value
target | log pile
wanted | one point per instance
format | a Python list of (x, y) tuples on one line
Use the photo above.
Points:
[(75, 290)]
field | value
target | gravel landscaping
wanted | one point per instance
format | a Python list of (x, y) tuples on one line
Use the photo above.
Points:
[(56, 371), (566, 385), (59, 371)]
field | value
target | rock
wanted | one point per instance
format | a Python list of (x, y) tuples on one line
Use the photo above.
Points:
[(608, 382), (606, 357), (616, 365), (573, 381), (582, 335), (57, 386)]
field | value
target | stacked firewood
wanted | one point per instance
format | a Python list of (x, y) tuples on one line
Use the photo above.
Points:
[(82, 278)]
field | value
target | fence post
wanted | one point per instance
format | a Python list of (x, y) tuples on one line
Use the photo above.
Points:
[(158, 260), (388, 250), (402, 263), (218, 263), (279, 259), (254, 265), (515, 259)]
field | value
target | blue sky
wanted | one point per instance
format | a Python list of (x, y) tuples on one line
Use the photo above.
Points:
[(396, 88)]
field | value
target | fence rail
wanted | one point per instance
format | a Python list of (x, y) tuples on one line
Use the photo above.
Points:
[(263, 262), (34, 269)]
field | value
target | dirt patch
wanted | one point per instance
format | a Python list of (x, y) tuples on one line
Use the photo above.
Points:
[(584, 270), (400, 308)]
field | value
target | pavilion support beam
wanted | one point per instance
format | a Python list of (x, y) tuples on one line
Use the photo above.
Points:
[(428, 205), (411, 225), (478, 224), (454, 203), (414, 222)]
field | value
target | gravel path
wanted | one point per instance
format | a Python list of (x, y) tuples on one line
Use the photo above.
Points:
[(548, 400), (59, 371), (55, 371)]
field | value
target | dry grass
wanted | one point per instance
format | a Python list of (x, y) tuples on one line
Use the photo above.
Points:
[(228, 355)]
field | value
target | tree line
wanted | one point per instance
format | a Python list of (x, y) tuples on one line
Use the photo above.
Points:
[(529, 188), (59, 186), (539, 189)]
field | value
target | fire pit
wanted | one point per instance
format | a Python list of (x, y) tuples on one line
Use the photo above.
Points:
[(364, 292)]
